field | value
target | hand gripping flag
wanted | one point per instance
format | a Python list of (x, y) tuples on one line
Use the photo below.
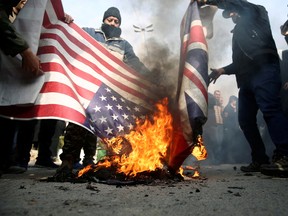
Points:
[(86, 84), (83, 80)]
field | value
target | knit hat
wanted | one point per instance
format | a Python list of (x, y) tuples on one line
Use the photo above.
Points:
[(112, 11)]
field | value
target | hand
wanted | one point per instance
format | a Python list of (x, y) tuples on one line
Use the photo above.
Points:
[(200, 2), (68, 19), (31, 63), (215, 74), (284, 28), (285, 86)]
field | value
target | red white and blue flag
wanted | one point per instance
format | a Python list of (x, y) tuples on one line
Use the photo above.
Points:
[(192, 86), (86, 84), (83, 80)]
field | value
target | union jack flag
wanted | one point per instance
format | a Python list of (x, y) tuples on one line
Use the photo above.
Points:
[(192, 93), (86, 84)]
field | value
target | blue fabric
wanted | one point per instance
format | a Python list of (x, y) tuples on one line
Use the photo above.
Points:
[(262, 92)]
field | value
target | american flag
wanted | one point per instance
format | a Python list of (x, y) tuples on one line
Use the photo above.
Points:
[(77, 70), (87, 85), (192, 93)]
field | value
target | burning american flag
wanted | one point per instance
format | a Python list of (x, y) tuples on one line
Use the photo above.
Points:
[(86, 84)]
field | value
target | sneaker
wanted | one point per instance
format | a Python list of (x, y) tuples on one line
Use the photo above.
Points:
[(252, 167), (46, 164), (278, 167)]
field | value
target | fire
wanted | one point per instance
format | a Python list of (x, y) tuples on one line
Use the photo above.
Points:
[(199, 151), (145, 147)]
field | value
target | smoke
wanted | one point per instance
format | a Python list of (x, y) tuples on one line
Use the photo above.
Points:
[(161, 54)]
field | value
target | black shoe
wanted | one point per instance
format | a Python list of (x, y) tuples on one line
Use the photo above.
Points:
[(278, 167), (15, 170), (46, 164), (252, 167)]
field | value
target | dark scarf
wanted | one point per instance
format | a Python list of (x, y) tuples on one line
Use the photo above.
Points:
[(111, 31)]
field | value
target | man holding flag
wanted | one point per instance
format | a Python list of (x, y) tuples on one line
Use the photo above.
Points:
[(80, 73), (77, 137)]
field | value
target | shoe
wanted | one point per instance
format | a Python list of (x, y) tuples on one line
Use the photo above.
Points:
[(46, 164), (87, 162), (15, 170), (278, 167), (78, 166), (252, 167)]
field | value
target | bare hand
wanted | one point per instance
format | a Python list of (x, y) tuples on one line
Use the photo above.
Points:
[(285, 86), (215, 74), (284, 28), (31, 63), (68, 19)]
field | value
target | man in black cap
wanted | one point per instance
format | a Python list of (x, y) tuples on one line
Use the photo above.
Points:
[(256, 66), (77, 137)]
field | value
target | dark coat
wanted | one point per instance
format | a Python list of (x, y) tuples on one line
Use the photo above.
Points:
[(120, 46), (252, 43), (12, 42)]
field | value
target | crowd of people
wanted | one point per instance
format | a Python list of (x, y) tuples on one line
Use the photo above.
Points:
[(255, 63)]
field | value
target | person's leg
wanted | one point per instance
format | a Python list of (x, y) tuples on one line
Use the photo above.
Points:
[(59, 130), (73, 143), (24, 142), (7, 132), (267, 93), (89, 148), (247, 120), (46, 132)]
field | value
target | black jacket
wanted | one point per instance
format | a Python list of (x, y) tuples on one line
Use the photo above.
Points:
[(12, 42), (252, 43)]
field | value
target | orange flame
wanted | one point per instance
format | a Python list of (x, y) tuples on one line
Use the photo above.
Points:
[(199, 151), (149, 141), (145, 147)]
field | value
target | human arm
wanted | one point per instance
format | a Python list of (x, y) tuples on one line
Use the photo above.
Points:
[(216, 73), (285, 86), (284, 30), (133, 61), (12, 43)]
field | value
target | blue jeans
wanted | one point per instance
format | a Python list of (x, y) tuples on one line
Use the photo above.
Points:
[(262, 92)]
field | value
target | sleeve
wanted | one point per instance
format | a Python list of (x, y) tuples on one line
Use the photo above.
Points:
[(230, 69), (286, 38), (133, 61), (12, 42), (239, 6)]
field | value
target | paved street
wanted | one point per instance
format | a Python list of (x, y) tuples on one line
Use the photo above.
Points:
[(221, 190)]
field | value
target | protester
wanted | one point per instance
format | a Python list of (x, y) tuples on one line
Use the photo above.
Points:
[(12, 43), (210, 132), (218, 110), (108, 35), (255, 62), (16, 135), (233, 137)]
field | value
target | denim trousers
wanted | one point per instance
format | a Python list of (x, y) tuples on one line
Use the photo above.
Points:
[(262, 92)]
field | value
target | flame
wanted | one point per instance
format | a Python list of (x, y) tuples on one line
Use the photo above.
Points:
[(196, 174), (145, 147), (199, 151), (146, 144)]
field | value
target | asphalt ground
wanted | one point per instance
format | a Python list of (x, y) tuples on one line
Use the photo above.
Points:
[(220, 190)]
